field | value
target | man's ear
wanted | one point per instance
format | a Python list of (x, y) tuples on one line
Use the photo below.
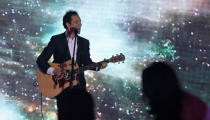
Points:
[(68, 25)]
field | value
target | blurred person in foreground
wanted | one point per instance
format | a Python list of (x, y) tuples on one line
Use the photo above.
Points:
[(168, 101)]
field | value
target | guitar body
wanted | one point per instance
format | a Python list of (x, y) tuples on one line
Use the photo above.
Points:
[(46, 84)]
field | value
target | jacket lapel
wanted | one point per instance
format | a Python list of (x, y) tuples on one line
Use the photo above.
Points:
[(67, 54)]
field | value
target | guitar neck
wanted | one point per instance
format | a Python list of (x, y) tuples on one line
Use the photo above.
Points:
[(91, 66)]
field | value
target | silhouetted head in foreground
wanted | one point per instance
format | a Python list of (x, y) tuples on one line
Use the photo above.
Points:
[(162, 89)]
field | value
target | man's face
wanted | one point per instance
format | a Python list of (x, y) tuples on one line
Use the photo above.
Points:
[(75, 22)]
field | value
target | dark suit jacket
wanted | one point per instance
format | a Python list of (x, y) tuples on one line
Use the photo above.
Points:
[(58, 47)]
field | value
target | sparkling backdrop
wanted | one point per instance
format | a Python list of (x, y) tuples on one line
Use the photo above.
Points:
[(144, 30)]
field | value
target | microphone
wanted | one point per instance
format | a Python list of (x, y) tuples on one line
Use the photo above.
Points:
[(75, 30)]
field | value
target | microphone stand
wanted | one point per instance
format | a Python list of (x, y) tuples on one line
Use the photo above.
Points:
[(72, 64)]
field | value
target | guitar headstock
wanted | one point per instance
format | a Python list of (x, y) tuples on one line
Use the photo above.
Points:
[(117, 58)]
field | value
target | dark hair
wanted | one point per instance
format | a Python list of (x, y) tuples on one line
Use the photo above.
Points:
[(67, 17), (161, 87)]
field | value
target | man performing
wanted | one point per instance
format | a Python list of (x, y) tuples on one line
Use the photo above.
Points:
[(61, 47)]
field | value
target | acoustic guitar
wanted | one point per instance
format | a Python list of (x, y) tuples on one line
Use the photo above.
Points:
[(51, 85)]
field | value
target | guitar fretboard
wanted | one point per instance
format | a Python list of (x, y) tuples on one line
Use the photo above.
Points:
[(91, 66)]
